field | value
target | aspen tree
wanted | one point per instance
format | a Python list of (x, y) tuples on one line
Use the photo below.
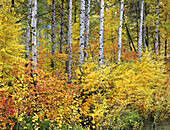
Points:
[(87, 27), (28, 30), (70, 42), (157, 31), (34, 24), (120, 31), (81, 37), (53, 27), (140, 31), (61, 25), (101, 32)]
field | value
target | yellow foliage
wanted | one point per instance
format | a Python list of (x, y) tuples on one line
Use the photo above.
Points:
[(141, 86), (10, 50)]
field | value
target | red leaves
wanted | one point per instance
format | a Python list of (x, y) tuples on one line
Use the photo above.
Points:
[(7, 109), (113, 67)]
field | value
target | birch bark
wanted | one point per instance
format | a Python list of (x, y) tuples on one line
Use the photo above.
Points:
[(81, 38), (157, 31), (140, 31), (28, 30), (34, 24), (70, 42), (53, 27), (101, 32), (120, 31), (87, 27)]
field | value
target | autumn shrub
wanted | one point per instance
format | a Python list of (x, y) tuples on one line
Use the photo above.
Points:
[(10, 50), (33, 99), (53, 63), (11, 53), (137, 89)]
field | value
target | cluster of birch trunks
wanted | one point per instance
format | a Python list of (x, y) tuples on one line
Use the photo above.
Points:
[(84, 31)]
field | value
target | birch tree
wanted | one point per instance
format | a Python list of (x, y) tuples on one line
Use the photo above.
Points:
[(81, 37), (28, 30), (70, 42), (140, 31), (53, 27), (34, 24), (101, 32), (87, 27), (157, 31), (120, 31), (61, 26)]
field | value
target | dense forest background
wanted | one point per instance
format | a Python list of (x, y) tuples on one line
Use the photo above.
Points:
[(84, 64)]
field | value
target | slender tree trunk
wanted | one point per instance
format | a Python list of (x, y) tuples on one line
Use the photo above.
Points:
[(28, 30), (147, 37), (61, 26), (137, 24), (75, 12), (120, 31), (157, 31), (70, 42), (82, 22), (101, 33), (144, 36), (140, 31), (159, 45), (13, 3), (53, 27), (165, 48), (67, 38), (87, 27), (34, 27), (129, 45), (130, 38), (146, 30)]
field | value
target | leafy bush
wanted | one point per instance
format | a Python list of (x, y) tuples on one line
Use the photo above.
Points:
[(140, 86)]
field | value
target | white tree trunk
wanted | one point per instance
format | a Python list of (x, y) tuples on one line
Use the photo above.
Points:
[(101, 33), (87, 27), (157, 31), (34, 24), (81, 42), (53, 27), (120, 31), (70, 42), (140, 31), (28, 30)]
